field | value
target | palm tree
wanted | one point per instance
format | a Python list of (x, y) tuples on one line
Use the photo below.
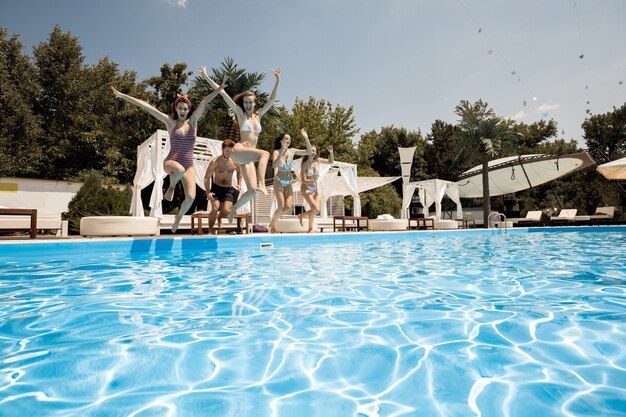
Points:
[(221, 122), (482, 134)]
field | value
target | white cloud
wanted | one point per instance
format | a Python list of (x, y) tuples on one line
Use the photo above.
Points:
[(546, 107), (519, 115), (179, 3)]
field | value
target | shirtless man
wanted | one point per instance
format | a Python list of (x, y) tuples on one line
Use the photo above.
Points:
[(218, 180)]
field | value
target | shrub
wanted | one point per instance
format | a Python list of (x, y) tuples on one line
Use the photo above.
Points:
[(96, 199)]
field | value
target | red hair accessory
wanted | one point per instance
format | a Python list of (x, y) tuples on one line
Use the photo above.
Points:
[(183, 97)]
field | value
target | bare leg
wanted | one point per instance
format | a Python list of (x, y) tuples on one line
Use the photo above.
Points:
[(279, 192), (215, 208), (262, 167), (189, 185), (175, 172), (224, 212), (245, 155), (313, 200), (249, 176)]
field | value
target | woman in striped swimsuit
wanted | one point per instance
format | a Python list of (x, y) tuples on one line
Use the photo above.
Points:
[(182, 128)]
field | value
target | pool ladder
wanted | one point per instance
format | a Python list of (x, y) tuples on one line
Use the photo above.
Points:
[(500, 218)]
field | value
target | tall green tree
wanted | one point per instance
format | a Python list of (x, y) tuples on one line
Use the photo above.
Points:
[(605, 134), (325, 124), (482, 134), (167, 85), (21, 153), (380, 152), (530, 136), (440, 152), (59, 71)]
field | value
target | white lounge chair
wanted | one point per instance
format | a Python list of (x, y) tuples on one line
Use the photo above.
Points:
[(533, 217), (44, 221), (565, 216), (602, 214)]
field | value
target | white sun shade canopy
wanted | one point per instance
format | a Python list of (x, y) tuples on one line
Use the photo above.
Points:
[(517, 173), (614, 170)]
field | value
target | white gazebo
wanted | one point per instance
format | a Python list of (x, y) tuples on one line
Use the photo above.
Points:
[(429, 192)]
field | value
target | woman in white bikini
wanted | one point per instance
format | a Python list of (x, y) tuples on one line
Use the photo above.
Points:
[(310, 175), (245, 152), (282, 162), (182, 129)]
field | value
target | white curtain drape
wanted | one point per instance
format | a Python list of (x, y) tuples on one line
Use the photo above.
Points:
[(349, 175), (407, 196), (143, 177), (157, 156), (452, 190)]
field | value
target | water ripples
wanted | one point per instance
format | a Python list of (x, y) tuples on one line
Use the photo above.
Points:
[(514, 325)]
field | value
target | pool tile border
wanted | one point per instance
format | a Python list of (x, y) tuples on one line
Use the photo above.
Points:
[(11, 249)]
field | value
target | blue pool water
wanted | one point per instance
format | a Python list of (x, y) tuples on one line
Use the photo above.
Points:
[(530, 324)]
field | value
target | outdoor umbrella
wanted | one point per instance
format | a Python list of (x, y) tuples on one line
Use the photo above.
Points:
[(517, 173), (614, 170)]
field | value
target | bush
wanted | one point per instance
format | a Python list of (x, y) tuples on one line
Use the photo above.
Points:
[(96, 199)]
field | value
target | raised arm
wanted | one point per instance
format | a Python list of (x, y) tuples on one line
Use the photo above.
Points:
[(146, 107), (229, 101), (272, 98), (197, 115), (308, 150)]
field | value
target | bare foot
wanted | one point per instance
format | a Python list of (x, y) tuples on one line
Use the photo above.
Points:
[(262, 188), (300, 218), (169, 194), (312, 231)]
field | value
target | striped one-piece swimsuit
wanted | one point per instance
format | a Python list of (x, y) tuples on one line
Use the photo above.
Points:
[(181, 147)]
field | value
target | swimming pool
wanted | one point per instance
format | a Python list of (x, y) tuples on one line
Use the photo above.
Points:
[(407, 324)]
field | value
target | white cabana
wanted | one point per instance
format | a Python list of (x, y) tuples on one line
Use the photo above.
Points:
[(429, 192), (150, 156)]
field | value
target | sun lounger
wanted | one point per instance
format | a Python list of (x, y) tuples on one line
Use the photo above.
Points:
[(32, 220), (532, 218), (602, 215), (566, 216)]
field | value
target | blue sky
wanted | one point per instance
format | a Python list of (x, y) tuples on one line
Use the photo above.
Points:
[(398, 62)]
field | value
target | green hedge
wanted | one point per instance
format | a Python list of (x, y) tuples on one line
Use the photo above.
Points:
[(97, 199)]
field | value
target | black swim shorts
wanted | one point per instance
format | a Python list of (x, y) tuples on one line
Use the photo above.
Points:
[(224, 193)]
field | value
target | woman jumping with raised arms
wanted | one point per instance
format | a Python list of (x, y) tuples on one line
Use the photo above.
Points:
[(282, 162), (309, 176), (245, 152), (182, 129)]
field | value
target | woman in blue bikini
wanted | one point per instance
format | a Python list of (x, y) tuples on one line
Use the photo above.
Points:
[(245, 152), (182, 129), (310, 175), (282, 162)]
